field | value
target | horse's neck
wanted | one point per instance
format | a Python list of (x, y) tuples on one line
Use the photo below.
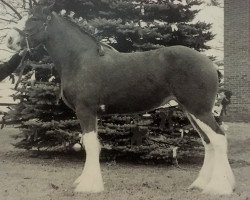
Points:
[(66, 43)]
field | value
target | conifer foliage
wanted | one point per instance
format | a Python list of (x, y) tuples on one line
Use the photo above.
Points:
[(45, 121), (142, 24), (128, 26)]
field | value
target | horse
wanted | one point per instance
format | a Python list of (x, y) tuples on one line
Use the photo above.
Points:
[(111, 82)]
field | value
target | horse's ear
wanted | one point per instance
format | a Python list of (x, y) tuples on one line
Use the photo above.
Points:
[(35, 2), (49, 9)]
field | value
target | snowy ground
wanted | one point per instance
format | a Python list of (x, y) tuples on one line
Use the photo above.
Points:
[(6, 90), (25, 178)]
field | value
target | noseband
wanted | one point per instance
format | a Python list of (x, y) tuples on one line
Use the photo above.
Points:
[(27, 35)]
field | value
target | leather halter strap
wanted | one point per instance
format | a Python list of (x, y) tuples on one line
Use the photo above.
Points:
[(26, 35)]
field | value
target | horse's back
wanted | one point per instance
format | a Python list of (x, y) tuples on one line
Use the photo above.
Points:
[(127, 82)]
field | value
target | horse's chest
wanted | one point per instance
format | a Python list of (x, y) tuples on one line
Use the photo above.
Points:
[(82, 90)]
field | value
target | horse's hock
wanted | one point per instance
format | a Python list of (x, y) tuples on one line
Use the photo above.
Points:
[(237, 68)]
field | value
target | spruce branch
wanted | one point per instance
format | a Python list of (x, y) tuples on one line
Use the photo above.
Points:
[(30, 4), (6, 50), (8, 20), (24, 3), (22, 69), (34, 2), (1, 29), (12, 8)]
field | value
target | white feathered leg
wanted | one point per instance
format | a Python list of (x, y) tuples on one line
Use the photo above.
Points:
[(206, 170), (91, 178), (222, 179)]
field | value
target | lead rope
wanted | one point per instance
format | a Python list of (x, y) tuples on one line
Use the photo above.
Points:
[(27, 43), (21, 66)]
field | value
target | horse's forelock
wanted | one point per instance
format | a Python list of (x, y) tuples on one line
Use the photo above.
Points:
[(13, 39), (45, 2)]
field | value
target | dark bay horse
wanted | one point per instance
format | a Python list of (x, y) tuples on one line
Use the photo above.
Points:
[(129, 82)]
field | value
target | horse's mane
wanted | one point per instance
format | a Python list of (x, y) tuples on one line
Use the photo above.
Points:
[(107, 45), (80, 28), (87, 32)]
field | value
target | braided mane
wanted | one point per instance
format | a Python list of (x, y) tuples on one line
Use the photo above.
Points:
[(88, 33)]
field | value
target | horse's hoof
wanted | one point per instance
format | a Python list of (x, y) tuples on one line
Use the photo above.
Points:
[(218, 189), (77, 181), (89, 184), (85, 188), (200, 183), (195, 186)]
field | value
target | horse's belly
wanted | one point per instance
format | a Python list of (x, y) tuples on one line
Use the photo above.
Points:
[(135, 102)]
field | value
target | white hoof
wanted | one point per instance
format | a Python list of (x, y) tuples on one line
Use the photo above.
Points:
[(77, 181), (89, 185), (221, 185), (199, 183), (218, 189), (84, 188), (231, 177)]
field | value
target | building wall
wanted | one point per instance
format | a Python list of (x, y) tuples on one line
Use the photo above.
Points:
[(237, 68)]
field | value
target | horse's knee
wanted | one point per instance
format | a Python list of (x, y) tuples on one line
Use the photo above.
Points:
[(91, 143)]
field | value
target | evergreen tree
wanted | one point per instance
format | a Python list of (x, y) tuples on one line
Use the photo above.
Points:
[(128, 26), (142, 24), (45, 120)]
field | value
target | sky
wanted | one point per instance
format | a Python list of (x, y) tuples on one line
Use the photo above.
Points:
[(215, 16), (208, 13)]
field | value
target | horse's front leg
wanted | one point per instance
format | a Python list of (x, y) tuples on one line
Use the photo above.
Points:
[(91, 179)]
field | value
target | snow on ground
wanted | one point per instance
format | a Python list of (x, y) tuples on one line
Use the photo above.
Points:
[(6, 90)]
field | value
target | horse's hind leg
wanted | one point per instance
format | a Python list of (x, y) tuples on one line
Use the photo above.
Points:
[(207, 167), (91, 179), (216, 176)]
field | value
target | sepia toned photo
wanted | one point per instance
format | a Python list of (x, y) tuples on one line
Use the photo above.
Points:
[(124, 100)]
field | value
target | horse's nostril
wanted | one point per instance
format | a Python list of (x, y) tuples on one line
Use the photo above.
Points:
[(10, 40)]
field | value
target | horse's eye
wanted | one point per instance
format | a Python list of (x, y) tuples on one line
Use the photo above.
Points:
[(33, 19)]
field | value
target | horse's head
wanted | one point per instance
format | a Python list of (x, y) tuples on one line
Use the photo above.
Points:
[(31, 30)]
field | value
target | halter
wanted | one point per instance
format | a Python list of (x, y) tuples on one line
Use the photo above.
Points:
[(26, 35)]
